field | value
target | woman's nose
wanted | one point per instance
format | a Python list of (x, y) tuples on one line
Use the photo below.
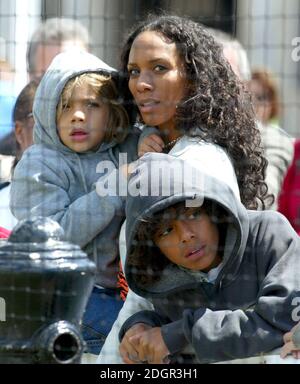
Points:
[(185, 232), (144, 83)]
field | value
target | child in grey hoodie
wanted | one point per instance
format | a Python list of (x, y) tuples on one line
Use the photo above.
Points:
[(80, 131), (222, 279)]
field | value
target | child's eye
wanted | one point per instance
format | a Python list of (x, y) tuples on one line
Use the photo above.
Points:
[(65, 106), (165, 231), (195, 215), (133, 72), (93, 104)]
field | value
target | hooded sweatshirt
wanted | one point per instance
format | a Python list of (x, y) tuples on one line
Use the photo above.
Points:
[(53, 181), (243, 310)]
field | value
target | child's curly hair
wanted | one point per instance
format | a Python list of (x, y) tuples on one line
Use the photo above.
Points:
[(216, 101)]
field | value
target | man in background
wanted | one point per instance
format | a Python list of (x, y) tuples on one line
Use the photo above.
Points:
[(53, 36)]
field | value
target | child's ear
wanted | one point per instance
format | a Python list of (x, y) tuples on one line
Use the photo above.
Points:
[(19, 132)]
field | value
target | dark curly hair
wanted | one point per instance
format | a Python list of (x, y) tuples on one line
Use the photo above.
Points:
[(217, 103)]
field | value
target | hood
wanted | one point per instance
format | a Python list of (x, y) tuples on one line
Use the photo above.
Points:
[(64, 67), (164, 180)]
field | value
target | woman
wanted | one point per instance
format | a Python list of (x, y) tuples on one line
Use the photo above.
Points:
[(179, 82), (278, 145)]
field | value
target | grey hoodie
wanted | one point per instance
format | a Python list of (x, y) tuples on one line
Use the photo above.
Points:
[(52, 180), (252, 301)]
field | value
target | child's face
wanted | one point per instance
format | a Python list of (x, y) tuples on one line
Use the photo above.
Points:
[(83, 120), (190, 240)]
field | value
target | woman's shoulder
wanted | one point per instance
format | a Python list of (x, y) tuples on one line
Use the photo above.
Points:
[(187, 146)]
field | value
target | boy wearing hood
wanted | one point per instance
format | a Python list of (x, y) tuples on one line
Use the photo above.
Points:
[(79, 124), (221, 278)]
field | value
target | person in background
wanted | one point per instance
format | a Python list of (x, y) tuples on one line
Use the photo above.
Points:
[(278, 145), (234, 53), (289, 198), (7, 96), (265, 96), (22, 139), (4, 233), (53, 36)]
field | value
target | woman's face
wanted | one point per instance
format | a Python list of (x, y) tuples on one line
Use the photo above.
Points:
[(157, 80), (261, 101)]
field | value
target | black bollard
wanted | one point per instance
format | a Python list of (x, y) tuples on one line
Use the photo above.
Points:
[(45, 284)]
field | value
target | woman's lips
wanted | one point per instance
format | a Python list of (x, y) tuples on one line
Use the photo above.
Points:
[(148, 106), (197, 254)]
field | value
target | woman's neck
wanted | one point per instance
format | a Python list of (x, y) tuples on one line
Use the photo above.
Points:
[(169, 133)]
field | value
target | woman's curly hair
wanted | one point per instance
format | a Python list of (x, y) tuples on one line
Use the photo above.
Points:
[(216, 102)]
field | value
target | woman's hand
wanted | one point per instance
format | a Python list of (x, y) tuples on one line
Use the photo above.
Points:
[(129, 345), (289, 347), (151, 143)]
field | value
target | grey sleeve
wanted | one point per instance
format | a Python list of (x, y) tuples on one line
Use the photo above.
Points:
[(37, 190)]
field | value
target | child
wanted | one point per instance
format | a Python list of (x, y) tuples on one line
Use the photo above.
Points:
[(79, 124), (221, 278)]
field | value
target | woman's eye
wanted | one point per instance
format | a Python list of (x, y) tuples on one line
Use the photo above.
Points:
[(133, 72), (159, 68)]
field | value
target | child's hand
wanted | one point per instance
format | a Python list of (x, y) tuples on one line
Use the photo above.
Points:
[(151, 143), (150, 346), (289, 347), (128, 349)]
